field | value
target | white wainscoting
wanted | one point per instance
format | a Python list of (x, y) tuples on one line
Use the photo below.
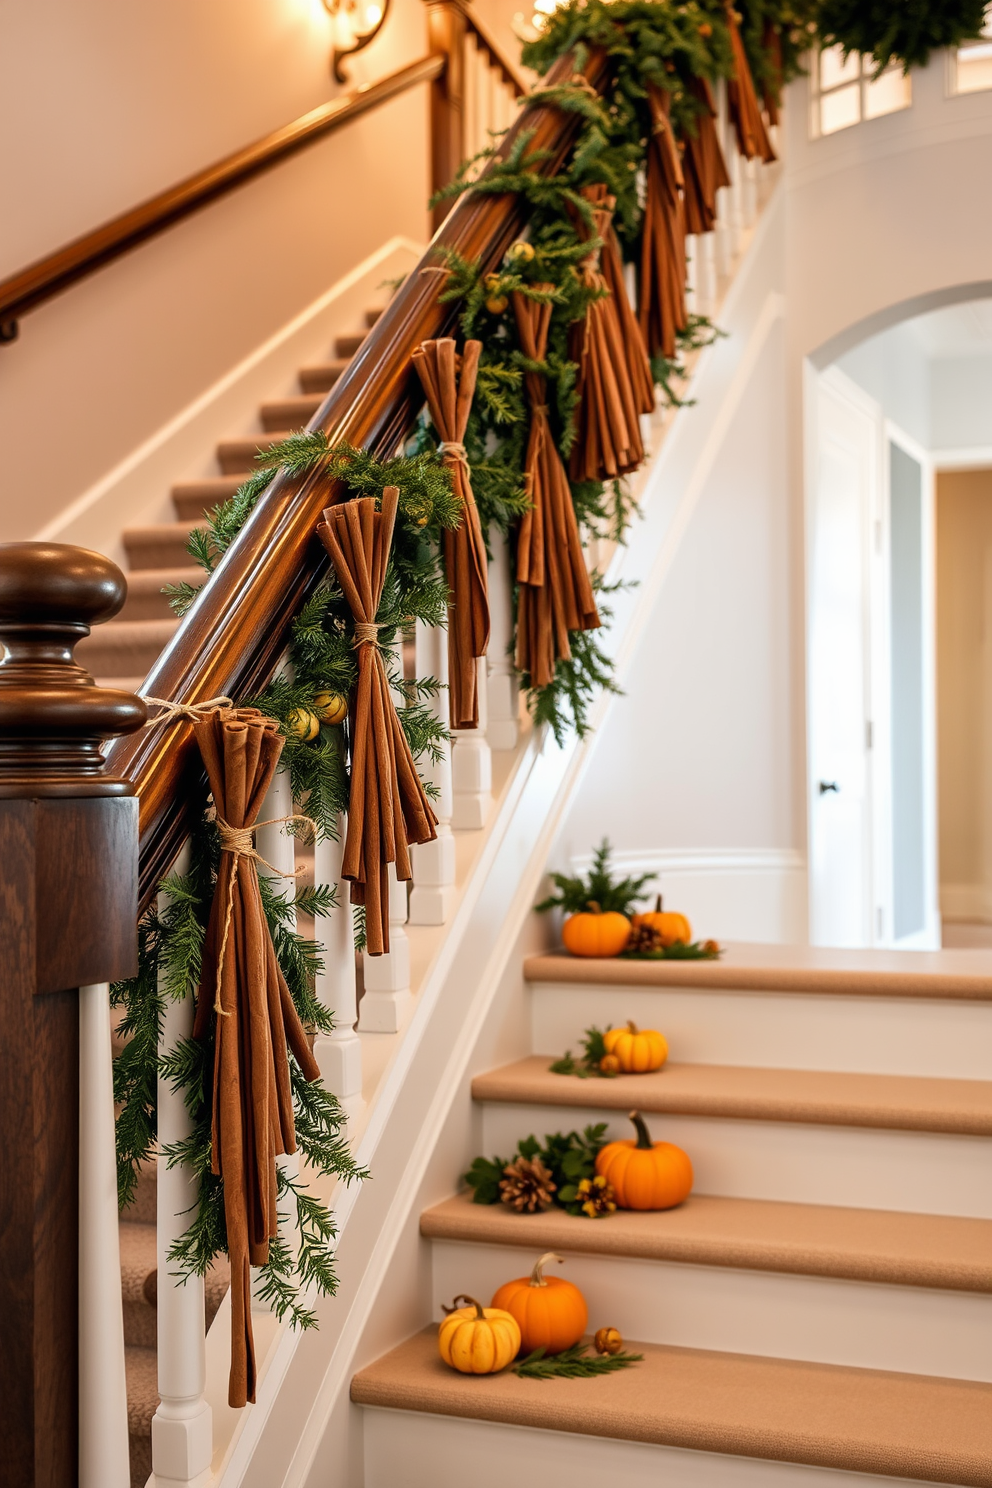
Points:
[(728, 893)]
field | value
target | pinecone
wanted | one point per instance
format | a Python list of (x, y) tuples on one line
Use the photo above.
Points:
[(597, 1197), (644, 939), (526, 1186)]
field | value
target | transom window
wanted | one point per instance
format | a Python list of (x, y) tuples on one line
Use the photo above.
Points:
[(971, 64), (845, 90)]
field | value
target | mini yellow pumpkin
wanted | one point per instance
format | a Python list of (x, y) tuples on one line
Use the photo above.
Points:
[(670, 926), (636, 1050), (477, 1339), (645, 1174), (303, 724), (330, 708), (593, 933)]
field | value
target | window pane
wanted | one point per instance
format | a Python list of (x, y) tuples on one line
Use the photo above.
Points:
[(888, 93), (834, 70), (841, 109), (974, 70)]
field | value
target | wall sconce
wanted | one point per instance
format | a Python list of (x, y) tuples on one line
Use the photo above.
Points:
[(355, 24)]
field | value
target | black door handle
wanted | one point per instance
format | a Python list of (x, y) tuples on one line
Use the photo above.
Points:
[(829, 785)]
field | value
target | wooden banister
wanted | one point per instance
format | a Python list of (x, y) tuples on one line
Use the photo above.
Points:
[(232, 638), (48, 277)]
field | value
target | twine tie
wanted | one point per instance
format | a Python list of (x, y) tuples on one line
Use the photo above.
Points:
[(453, 450), (240, 843), (366, 633), (193, 711)]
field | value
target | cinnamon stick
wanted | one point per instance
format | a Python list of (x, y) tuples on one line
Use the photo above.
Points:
[(663, 267), (742, 101), (703, 166)]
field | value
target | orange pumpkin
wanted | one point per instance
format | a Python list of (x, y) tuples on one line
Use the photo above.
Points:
[(645, 1174), (636, 1050), (552, 1312), (670, 926), (594, 933)]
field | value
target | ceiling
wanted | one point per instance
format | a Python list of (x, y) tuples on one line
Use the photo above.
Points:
[(956, 330)]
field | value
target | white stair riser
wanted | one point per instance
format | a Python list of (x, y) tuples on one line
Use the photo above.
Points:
[(866, 1035), (858, 1167), (780, 1315), (417, 1450)]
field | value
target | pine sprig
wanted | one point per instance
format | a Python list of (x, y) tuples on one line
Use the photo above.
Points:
[(611, 895), (573, 1363)]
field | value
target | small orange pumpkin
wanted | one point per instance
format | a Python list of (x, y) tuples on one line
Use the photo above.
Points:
[(645, 1174), (636, 1050), (551, 1312), (670, 926), (594, 933)]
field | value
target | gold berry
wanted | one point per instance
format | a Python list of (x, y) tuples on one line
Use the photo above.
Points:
[(608, 1341), (706, 29), (610, 1064), (497, 304), (330, 707), (303, 724), (521, 252)]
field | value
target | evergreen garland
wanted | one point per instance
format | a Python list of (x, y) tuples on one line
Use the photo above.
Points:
[(906, 32)]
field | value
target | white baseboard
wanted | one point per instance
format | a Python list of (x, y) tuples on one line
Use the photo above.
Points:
[(968, 901), (136, 490), (755, 894)]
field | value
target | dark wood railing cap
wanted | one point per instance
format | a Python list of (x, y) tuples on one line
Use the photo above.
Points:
[(53, 716)]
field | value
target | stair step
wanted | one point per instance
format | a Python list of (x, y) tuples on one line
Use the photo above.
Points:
[(321, 377), (125, 648), (193, 499), (875, 1245), (161, 545), (346, 346), (903, 1102), (143, 1209), (237, 456), (290, 413), (826, 1416), (145, 600), (141, 1367), (371, 316)]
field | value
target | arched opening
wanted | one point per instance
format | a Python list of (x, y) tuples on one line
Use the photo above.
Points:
[(899, 625)]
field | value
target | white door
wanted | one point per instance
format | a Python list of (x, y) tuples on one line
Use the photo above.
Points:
[(844, 442)]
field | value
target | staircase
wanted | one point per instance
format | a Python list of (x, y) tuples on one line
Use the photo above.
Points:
[(122, 652), (821, 1301)]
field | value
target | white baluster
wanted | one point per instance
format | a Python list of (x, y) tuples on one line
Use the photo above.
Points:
[(750, 194), (103, 1436), (433, 893), (503, 726), (691, 274), (339, 1054), (708, 275), (182, 1426), (387, 998), (472, 767)]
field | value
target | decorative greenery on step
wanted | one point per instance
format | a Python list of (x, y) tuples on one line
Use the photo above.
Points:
[(170, 951), (569, 1157), (573, 894), (679, 950), (588, 1066), (573, 1363)]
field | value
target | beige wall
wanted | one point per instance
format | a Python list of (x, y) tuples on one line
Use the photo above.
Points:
[(964, 692)]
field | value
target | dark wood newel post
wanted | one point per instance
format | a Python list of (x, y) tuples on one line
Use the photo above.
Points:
[(446, 31), (68, 906)]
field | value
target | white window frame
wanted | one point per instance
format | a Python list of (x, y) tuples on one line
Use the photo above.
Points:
[(955, 56), (862, 81)]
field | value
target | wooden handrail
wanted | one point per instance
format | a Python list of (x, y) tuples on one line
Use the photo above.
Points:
[(50, 276), (232, 638)]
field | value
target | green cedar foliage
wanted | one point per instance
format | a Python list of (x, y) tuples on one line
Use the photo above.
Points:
[(588, 1065), (899, 30), (611, 895), (573, 1363)]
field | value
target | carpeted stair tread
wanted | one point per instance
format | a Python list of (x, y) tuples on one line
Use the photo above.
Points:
[(193, 499), (904, 1102), (237, 456), (141, 1366), (926, 1250), (145, 600), (125, 648), (346, 346), (785, 968), (859, 1420), (159, 545), (290, 413), (142, 1210), (322, 376), (138, 1263)]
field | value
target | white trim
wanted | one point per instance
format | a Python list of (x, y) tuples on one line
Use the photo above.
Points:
[(978, 457), (137, 488), (703, 860)]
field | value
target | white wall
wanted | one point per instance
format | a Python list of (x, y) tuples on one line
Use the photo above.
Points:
[(893, 368), (961, 403), (107, 103)]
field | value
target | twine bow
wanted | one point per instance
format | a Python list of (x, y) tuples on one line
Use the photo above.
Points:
[(453, 449), (193, 711), (239, 841), (366, 633)]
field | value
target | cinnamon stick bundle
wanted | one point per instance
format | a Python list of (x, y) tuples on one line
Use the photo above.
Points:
[(449, 399), (555, 594), (742, 101), (257, 1023), (703, 167), (771, 87), (638, 364), (388, 809), (663, 267), (608, 435)]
